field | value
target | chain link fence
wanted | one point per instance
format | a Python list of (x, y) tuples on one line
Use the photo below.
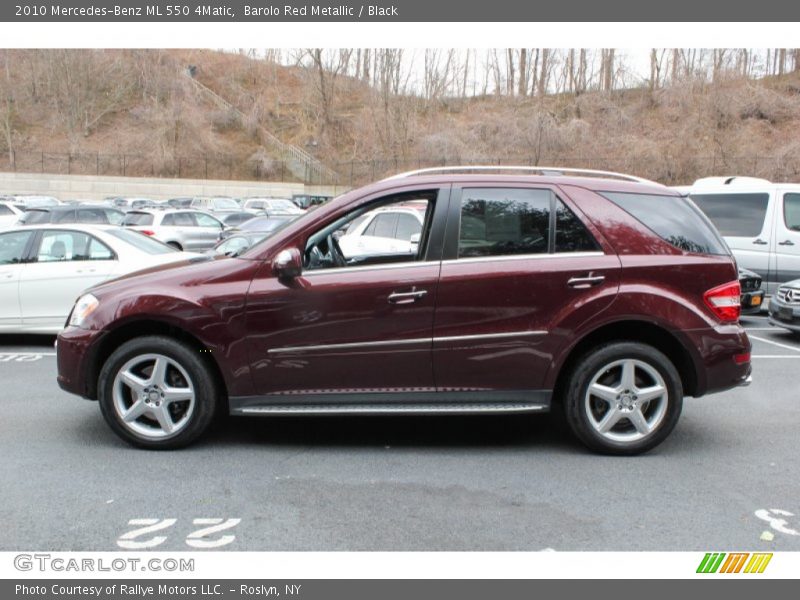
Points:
[(671, 170)]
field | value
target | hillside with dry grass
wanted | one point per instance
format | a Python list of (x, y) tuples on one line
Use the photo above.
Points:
[(107, 110)]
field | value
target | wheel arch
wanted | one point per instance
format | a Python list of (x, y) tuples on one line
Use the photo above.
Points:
[(140, 328), (641, 331)]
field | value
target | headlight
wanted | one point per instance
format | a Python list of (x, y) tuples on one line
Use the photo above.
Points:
[(85, 306)]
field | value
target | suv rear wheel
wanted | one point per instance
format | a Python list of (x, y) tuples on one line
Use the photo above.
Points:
[(157, 393), (623, 398)]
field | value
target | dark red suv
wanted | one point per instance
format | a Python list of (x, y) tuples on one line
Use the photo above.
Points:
[(504, 293)]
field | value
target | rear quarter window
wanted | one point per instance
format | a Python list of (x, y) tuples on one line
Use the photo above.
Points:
[(674, 219)]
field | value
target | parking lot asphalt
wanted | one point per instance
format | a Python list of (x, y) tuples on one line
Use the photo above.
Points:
[(727, 478)]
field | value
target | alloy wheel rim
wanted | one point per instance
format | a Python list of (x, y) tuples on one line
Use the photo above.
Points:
[(153, 396), (626, 400)]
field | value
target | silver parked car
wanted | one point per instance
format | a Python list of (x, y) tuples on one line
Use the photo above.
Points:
[(183, 229), (784, 307)]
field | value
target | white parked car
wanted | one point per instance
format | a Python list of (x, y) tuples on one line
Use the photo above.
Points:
[(44, 268), (9, 214), (386, 231), (759, 220)]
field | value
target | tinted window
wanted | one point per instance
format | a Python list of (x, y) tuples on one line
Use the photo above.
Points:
[(407, 226), (180, 220), (5, 211), (675, 219), (92, 215), (497, 222), (739, 215), (138, 219), (12, 246), (571, 234), (791, 211)]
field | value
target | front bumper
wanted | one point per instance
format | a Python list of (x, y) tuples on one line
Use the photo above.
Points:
[(784, 315), (752, 302), (75, 349)]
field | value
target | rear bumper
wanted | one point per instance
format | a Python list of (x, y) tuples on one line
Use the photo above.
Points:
[(718, 348)]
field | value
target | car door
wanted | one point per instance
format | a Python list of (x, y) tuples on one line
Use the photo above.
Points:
[(206, 231), (349, 330), (65, 262), (14, 251), (787, 238), (745, 218), (521, 272)]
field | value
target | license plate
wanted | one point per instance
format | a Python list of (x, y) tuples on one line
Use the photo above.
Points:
[(755, 301), (785, 313)]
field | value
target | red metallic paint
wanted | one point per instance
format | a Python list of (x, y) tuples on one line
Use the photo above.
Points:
[(237, 310)]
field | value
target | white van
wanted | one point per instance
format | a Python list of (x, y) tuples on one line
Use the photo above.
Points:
[(759, 219)]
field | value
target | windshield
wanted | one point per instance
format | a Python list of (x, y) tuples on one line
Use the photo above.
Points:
[(224, 204), (141, 242)]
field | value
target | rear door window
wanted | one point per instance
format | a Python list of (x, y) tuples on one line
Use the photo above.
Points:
[(735, 215), (138, 219), (674, 219), (504, 221)]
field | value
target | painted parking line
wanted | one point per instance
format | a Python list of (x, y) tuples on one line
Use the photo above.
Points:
[(786, 346), (6, 357), (794, 356)]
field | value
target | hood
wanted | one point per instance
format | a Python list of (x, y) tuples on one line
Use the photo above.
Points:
[(166, 272)]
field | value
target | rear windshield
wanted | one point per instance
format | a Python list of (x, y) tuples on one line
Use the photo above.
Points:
[(137, 219), (140, 241), (675, 219)]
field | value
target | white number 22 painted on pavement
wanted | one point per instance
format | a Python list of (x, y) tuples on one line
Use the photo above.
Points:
[(197, 539)]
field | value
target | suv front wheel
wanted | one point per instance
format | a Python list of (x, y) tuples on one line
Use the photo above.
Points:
[(623, 398), (157, 393)]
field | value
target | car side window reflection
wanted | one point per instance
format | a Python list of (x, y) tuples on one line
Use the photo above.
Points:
[(392, 230), (57, 246)]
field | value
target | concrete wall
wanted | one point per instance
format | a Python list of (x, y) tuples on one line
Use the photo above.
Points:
[(91, 187)]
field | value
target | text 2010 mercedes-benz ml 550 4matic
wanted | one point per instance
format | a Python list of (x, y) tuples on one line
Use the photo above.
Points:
[(471, 291)]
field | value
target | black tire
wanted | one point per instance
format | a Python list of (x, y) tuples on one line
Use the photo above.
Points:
[(585, 412), (175, 245), (187, 371)]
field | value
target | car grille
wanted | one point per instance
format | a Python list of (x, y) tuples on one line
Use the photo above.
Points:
[(789, 295), (750, 284)]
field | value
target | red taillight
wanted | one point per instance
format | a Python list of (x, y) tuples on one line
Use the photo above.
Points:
[(724, 301), (147, 231), (741, 359)]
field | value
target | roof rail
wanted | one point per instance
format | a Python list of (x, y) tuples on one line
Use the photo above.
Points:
[(542, 170)]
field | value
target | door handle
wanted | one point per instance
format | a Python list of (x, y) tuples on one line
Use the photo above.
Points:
[(407, 297), (786, 243), (581, 283), (760, 242)]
